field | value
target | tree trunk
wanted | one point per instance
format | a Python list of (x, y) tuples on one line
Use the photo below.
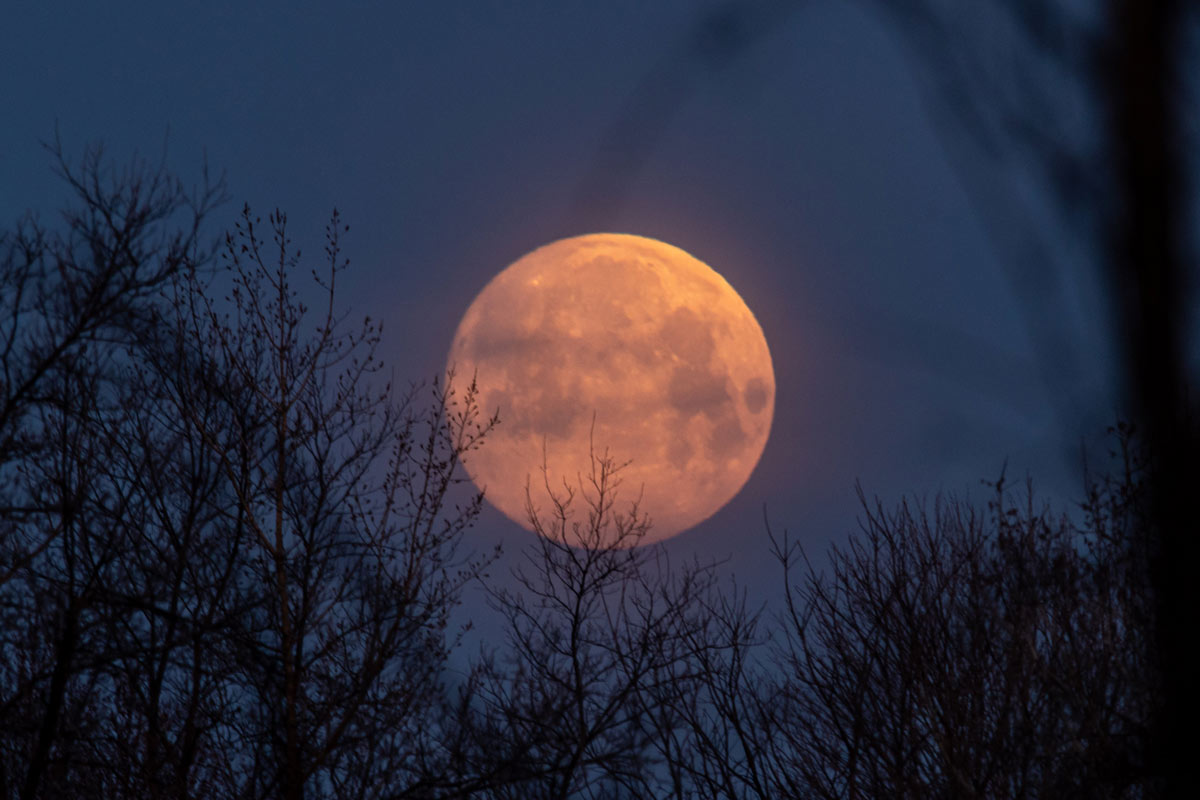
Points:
[(64, 654), (1149, 286)]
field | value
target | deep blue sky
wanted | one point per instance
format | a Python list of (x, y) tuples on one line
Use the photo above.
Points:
[(793, 152)]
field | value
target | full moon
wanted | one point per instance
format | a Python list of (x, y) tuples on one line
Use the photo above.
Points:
[(628, 344)]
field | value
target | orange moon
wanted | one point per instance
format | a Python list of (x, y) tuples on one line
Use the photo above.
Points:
[(643, 338)]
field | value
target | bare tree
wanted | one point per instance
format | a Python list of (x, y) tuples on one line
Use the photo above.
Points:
[(230, 552), (993, 652), (598, 629), (228, 561), (65, 295), (69, 299), (957, 653), (338, 493), (712, 723), (181, 557), (1094, 104)]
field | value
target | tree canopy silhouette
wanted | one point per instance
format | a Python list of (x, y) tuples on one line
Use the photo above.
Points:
[(230, 553)]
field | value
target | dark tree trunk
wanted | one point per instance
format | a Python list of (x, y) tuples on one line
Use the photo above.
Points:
[(1150, 290), (64, 654)]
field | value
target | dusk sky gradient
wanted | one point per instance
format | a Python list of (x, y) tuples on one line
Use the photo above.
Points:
[(797, 149)]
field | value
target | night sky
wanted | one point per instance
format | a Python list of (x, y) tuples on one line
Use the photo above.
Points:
[(799, 152)]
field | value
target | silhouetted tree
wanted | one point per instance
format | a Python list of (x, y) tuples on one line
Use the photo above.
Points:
[(712, 727), (995, 652), (957, 653), (228, 561), (333, 508), (229, 558), (1093, 105), (70, 299), (596, 627)]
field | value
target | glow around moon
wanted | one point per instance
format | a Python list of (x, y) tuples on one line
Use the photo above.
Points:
[(639, 335)]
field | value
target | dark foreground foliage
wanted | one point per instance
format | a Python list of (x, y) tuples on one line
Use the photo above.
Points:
[(229, 555)]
